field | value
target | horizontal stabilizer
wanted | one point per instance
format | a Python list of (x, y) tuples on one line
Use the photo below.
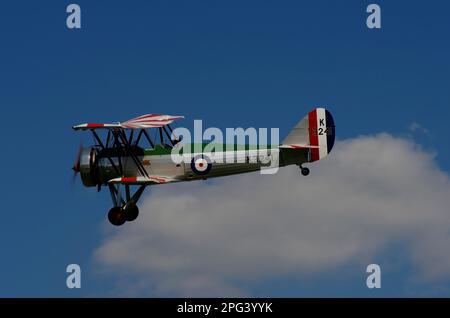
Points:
[(297, 146)]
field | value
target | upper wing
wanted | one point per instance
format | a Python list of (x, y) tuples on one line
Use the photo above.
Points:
[(152, 179), (141, 122)]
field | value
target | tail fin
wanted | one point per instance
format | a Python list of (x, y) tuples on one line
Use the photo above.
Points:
[(315, 132)]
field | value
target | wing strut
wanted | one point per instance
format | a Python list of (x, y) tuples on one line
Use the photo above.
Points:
[(168, 136), (117, 170), (133, 156)]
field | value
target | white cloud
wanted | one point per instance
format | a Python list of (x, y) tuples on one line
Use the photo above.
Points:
[(416, 127), (209, 238)]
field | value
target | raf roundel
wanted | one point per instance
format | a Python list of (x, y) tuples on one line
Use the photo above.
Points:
[(201, 165)]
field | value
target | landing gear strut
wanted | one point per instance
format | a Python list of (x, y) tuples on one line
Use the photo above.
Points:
[(124, 211)]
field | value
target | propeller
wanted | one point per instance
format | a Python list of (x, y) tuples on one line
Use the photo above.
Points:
[(76, 165)]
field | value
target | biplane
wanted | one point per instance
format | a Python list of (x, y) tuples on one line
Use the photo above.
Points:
[(127, 156)]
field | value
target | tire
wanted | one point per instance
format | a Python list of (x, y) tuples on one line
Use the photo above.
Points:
[(116, 216), (305, 171), (132, 213)]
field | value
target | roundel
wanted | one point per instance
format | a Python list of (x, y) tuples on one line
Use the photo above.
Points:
[(201, 165)]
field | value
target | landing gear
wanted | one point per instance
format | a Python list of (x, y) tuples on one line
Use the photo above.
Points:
[(304, 170), (124, 210), (117, 216)]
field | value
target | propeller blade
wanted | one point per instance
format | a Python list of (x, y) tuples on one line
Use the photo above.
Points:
[(76, 165)]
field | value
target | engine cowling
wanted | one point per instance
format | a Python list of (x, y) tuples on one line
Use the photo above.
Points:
[(89, 168)]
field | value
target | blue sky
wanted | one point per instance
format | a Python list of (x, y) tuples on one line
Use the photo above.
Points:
[(230, 63)]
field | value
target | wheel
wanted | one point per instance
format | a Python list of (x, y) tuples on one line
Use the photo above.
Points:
[(305, 171), (132, 212), (116, 216)]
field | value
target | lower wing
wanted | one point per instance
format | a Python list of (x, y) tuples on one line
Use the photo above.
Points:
[(152, 179)]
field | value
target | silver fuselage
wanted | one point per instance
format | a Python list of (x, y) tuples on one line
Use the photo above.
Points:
[(222, 163)]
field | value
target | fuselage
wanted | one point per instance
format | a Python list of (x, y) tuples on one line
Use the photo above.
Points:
[(197, 163)]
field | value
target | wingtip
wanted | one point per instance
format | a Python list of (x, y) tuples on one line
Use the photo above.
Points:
[(78, 127)]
